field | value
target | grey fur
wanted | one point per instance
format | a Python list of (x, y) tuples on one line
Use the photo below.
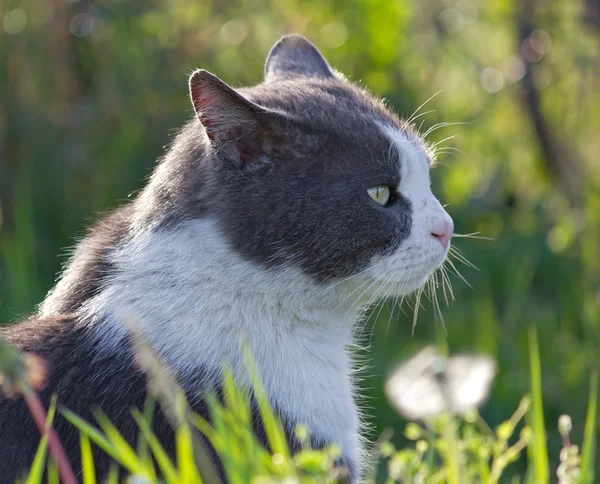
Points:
[(295, 56)]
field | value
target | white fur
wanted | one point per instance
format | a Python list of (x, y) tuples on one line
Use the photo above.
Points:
[(197, 299)]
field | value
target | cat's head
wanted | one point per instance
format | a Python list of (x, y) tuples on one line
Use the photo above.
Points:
[(307, 170)]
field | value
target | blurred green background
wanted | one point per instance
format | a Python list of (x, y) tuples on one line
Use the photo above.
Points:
[(93, 91)]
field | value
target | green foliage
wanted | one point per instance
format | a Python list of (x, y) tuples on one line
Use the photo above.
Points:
[(230, 433), (446, 449)]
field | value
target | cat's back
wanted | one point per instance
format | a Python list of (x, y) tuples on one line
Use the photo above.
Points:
[(83, 380)]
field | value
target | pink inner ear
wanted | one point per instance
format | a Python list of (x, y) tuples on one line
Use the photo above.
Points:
[(202, 104), (229, 119)]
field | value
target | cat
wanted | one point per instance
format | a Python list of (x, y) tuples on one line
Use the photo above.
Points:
[(277, 213)]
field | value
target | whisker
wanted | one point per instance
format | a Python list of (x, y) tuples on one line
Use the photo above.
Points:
[(412, 120), (457, 272), (432, 290), (331, 286), (444, 151), (373, 299), (444, 285), (437, 143), (387, 327), (405, 278), (458, 255), (374, 281), (383, 303), (474, 235), (436, 305), (384, 296), (371, 279), (411, 117), (437, 126), (433, 128), (450, 148), (427, 290), (448, 281), (416, 313)]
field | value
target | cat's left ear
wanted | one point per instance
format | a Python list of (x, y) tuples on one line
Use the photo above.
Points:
[(235, 125), (295, 56)]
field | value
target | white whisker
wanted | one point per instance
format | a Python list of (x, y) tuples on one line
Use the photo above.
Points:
[(412, 116), (458, 255), (474, 235), (457, 272), (437, 126), (331, 286), (412, 120), (437, 143), (382, 304), (446, 278), (417, 307), (436, 306)]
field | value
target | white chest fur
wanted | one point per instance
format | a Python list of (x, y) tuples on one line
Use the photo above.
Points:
[(196, 299)]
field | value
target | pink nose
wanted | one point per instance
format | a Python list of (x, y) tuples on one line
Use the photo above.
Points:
[(443, 232)]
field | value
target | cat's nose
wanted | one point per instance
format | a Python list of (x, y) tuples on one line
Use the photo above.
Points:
[(443, 230)]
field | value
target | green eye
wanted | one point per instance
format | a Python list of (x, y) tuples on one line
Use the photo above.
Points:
[(380, 194)]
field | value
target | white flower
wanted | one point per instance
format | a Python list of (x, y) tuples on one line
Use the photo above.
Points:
[(430, 384)]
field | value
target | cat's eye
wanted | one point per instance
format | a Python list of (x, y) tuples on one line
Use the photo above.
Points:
[(380, 194)]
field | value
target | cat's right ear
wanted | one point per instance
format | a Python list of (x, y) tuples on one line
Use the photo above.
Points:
[(233, 123)]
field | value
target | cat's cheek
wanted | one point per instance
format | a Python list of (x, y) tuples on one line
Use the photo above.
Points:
[(411, 264)]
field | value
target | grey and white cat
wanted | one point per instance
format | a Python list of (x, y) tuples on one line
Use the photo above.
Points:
[(277, 212)]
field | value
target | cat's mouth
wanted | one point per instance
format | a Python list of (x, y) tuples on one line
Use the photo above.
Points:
[(402, 280)]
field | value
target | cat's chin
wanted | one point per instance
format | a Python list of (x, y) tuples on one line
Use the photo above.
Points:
[(404, 288), (389, 288)]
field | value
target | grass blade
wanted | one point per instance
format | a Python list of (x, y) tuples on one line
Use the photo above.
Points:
[(113, 474), (53, 477), (87, 461), (128, 457), (37, 468), (538, 451), (142, 446), (185, 454), (272, 424), (94, 434), (162, 459), (588, 449)]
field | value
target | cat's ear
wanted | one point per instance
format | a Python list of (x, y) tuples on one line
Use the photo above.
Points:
[(235, 125), (295, 56)]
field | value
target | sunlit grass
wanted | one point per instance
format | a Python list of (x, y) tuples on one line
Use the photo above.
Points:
[(445, 448)]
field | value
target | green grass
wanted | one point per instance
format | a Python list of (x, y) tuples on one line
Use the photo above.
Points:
[(538, 451), (446, 449)]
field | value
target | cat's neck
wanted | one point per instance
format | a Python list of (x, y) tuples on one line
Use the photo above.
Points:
[(188, 277), (197, 301)]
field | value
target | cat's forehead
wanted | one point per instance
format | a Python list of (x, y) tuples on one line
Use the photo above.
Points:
[(353, 126), (322, 101)]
